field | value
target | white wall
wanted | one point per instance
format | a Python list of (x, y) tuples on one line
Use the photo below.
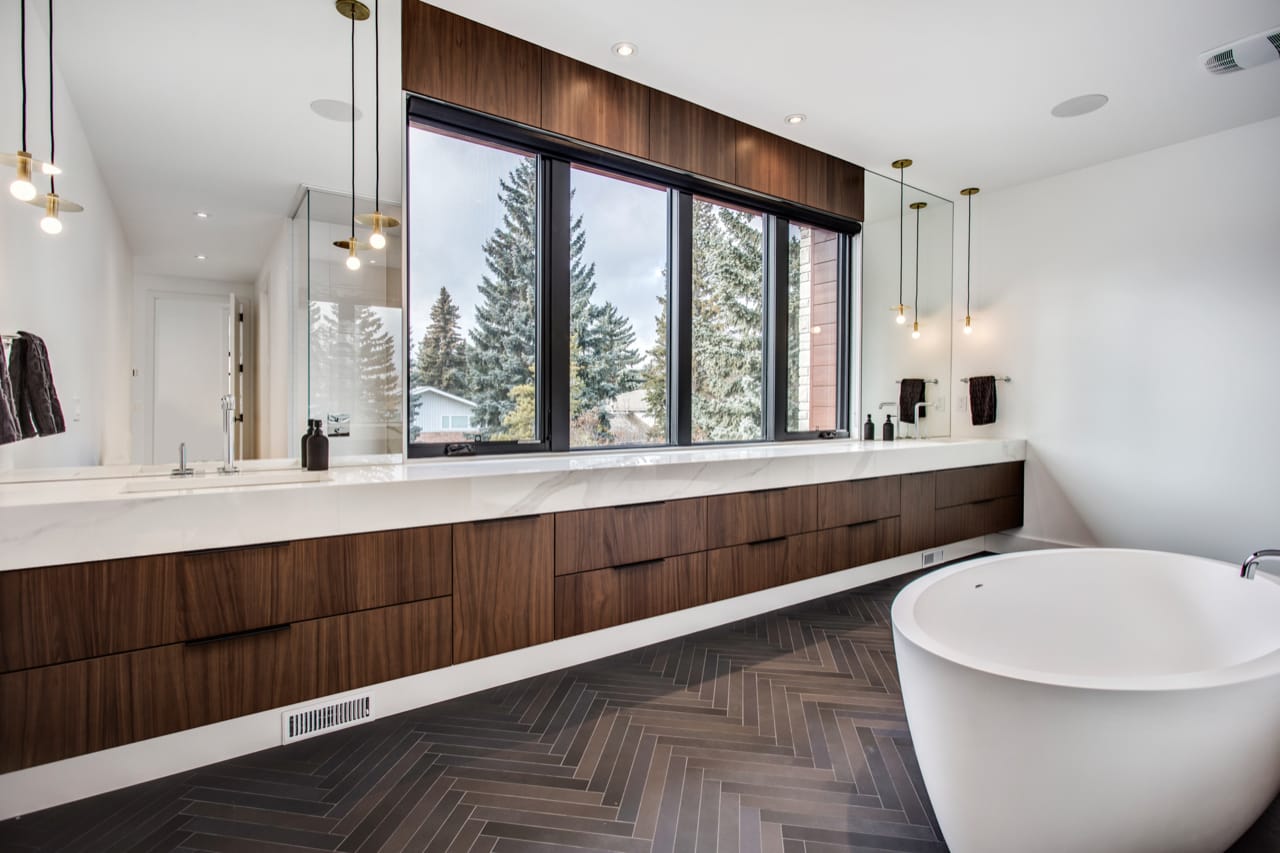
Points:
[(1136, 305), (274, 365), (72, 289)]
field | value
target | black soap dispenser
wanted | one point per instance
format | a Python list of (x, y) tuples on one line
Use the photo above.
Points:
[(311, 430), (868, 430), (317, 449), (888, 428)]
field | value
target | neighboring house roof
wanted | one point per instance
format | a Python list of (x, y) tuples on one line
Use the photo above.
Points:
[(430, 389)]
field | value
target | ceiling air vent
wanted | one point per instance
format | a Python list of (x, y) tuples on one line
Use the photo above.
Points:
[(315, 720), (1243, 54)]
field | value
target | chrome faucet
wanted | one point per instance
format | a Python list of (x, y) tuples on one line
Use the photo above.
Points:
[(228, 465), (1247, 570), (921, 405), (183, 469)]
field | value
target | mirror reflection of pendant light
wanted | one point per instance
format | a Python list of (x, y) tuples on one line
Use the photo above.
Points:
[(379, 221), (968, 270), (900, 308), (52, 203), (355, 11), (917, 206), (22, 189)]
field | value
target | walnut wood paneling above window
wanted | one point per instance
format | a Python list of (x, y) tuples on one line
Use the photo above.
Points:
[(453, 59)]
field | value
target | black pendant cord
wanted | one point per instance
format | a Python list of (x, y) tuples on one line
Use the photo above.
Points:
[(915, 308), (52, 136), (22, 53), (968, 261), (377, 115), (353, 134), (901, 201)]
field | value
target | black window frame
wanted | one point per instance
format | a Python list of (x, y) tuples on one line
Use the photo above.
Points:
[(555, 157)]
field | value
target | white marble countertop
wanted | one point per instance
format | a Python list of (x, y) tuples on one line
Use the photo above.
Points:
[(95, 518)]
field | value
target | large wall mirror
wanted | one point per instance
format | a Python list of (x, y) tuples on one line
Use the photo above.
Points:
[(210, 146), (891, 255)]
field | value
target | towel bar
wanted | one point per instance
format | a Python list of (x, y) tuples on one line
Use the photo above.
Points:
[(998, 379)]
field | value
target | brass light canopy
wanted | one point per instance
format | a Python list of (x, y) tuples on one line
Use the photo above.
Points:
[(969, 192), (917, 206), (353, 9), (900, 308)]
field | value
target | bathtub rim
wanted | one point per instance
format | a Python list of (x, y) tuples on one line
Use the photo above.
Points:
[(902, 618)]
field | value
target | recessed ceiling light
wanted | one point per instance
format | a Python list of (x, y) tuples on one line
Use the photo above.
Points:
[(1079, 105), (200, 214), (334, 110), (625, 49), (200, 257), (795, 118)]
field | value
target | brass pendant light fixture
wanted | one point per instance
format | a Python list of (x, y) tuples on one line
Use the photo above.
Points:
[(52, 203), (22, 188), (917, 206), (377, 220), (968, 269), (353, 10), (900, 308)]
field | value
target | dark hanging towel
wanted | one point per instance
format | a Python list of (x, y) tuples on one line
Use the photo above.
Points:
[(910, 392), (9, 430), (41, 397), (982, 399), (18, 383)]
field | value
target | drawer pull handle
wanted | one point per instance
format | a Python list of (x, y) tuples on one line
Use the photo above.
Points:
[(766, 541), (255, 547), (506, 518), (863, 523), (637, 564), (236, 635), (984, 502), (766, 491), (643, 505)]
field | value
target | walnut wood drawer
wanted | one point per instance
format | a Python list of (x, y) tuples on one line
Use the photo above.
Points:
[(765, 514), (65, 613), (612, 536), (956, 486), (957, 523), (230, 590), (588, 601), (759, 565), (856, 501), (503, 585), (852, 545), (339, 574), (54, 712)]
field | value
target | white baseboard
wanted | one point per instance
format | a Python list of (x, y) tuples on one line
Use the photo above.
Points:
[(1007, 543), (35, 788)]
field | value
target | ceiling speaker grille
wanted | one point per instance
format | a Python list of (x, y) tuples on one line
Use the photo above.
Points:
[(1222, 63)]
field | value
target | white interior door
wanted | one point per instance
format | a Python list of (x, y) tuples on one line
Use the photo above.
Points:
[(192, 358)]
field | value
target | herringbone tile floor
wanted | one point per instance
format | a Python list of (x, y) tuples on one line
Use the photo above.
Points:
[(782, 733)]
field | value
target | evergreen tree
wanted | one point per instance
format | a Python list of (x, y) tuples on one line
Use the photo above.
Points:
[(501, 353), (441, 360), (793, 331), (377, 373), (323, 328), (503, 347), (654, 378), (728, 327)]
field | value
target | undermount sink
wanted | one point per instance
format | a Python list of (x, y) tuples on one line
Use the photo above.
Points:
[(215, 480)]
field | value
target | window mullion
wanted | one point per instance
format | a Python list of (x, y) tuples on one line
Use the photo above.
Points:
[(554, 300), (775, 328), (680, 320), (844, 331)]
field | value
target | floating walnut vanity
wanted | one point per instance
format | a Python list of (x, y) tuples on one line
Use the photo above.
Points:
[(98, 653)]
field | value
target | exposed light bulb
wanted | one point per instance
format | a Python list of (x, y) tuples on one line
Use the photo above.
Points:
[(902, 315), (50, 224), (353, 261), (22, 189), (968, 325), (49, 169), (915, 330), (377, 239)]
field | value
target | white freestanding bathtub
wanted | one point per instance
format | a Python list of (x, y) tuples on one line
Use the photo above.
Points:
[(1099, 701)]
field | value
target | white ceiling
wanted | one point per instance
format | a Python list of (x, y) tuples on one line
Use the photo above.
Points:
[(963, 88), (204, 105)]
